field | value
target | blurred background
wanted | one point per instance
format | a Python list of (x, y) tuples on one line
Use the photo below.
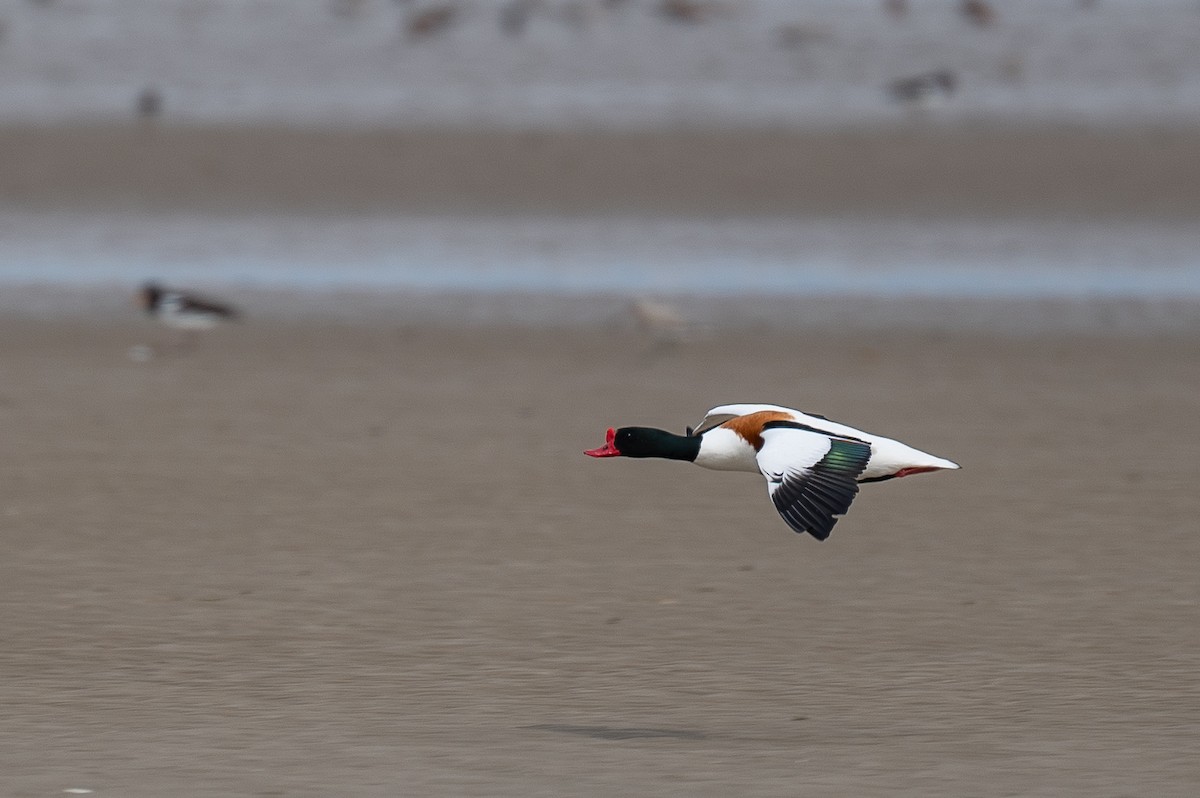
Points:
[(1039, 154)]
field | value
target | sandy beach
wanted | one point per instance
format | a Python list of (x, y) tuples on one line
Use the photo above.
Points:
[(318, 559)]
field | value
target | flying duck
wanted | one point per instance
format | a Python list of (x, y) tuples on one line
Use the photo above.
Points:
[(183, 311), (813, 466)]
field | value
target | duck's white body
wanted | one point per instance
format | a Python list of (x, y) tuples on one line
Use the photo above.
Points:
[(730, 447)]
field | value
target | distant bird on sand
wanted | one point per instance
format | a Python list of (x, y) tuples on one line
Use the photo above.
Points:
[(978, 12), (687, 10), (661, 322), (430, 21), (149, 103), (183, 311), (924, 91), (813, 466)]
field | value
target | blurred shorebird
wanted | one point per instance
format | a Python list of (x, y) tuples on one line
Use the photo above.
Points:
[(182, 311), (978, 12), (687, 10), (924, 91), (662, 323), (149, 103), (430, 21)]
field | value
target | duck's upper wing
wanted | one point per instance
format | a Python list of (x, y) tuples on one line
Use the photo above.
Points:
[(812, 478), (719, 415)]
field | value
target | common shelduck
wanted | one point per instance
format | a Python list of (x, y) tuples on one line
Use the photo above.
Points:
[(813, 466)]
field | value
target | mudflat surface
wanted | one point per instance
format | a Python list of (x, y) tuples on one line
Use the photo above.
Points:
[(308, 559), (933, 171)]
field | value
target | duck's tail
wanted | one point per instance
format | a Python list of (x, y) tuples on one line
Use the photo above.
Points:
[(891, 459)]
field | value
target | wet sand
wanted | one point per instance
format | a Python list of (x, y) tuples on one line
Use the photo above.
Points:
[(913, 170), (313, 559)]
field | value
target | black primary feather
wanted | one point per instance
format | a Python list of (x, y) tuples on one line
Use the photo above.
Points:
[(812, 499)]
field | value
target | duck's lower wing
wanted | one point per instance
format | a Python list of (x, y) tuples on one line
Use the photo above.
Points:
[(811, 478)]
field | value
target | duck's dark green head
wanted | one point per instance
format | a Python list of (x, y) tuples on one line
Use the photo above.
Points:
[(647, 442)]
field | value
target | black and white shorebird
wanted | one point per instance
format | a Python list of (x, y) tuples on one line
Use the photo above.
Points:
[(813, 466), (184, 311), (925, 90)]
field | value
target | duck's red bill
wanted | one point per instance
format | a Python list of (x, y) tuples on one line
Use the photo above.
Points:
[(609, 449)]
